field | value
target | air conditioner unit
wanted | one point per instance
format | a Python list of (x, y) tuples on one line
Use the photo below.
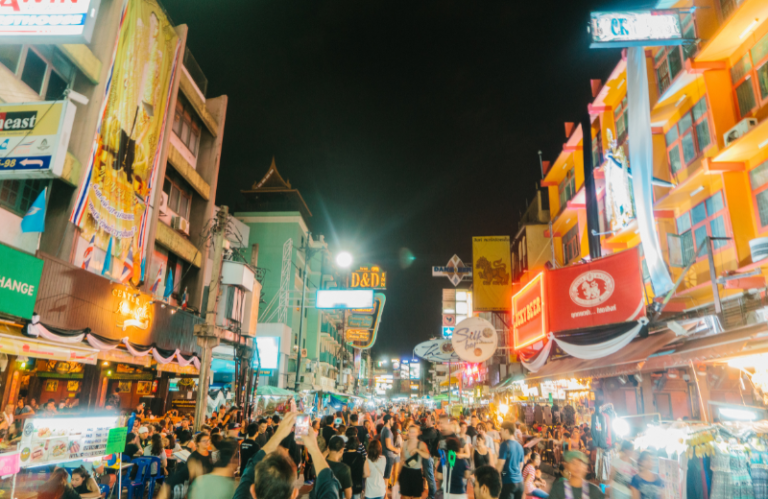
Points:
[(741, 128), (291, 381), (180, 224), (163, 203), (759, 249)]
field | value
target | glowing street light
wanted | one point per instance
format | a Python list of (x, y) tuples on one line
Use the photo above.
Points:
[(344, 259)]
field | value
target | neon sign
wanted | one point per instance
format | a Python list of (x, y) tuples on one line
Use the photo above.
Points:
[(133, 307)]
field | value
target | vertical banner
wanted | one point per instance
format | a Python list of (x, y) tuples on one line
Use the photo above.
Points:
[(641, 162), (114, 197), (492, 281)]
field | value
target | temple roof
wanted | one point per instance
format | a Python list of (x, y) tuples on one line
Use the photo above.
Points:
[(271, 181), (273, 193)]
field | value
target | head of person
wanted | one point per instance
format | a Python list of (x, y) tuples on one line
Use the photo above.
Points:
[(252, 430), (463, 427), (374, 450), (487, 483), (352, 443), (227, 453), (51, 406), (452, 444), (80, 476), (413, 432), (534, 459), (481, 429), (216, 441), (353, 419), (203, 443), (185, 423), (335, 447), (275, 420), (157, 445), (151, 429), (474, 420), (576, 463), (144, 432), (507, 430), (170, 441), (185, 437), (274, 477), (626, 447), (55, 486), (445, 424), (480, 444), (20, 403), (316, 425), (388, 421), (645, 461)]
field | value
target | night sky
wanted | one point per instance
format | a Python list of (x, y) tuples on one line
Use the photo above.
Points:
[(404, 124)]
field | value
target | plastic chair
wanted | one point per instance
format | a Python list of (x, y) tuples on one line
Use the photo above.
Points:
[(155, 477), (138, 484), (104, 489)]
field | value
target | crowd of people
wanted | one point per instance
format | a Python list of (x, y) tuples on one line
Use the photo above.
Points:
[(371, 454)]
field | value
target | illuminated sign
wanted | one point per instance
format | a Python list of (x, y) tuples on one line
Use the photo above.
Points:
[(448, 331), (344, 298), (415, 370), (454, 270), (404, 369), (528, 313), (395, 364), (133, 308), (360, 321), (48, 22), (358, 334), (636, 28), (269, 352), (368, 278)]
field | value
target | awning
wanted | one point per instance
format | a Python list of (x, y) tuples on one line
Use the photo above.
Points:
[(12, 342), (628, 360), (747, 340), (454, 381), (507, 382)]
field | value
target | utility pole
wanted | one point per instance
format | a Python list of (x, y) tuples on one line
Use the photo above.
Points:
[(207, 336), (301, 311)]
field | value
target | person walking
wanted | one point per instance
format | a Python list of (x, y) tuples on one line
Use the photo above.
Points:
[(358, 465), (387, 440), (431, 437), (646, 484), (453, 478), (510, 463), (575, 486), (375, 483), (412, 477), (219, 484), (622, 471), (482, 456)]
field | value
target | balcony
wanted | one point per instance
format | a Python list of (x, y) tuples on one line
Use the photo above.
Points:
[(739, 17)]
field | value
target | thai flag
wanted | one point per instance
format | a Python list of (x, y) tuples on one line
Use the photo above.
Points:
[(184, 299), (127, 266), (89, 253), (158, 279)]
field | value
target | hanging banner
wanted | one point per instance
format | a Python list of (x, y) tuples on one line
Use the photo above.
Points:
[(491, 273), (114, 198)]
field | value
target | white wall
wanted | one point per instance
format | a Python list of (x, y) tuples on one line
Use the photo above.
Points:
[(10, 232)]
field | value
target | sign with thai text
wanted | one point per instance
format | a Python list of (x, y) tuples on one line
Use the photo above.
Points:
[(47, 22), (19, 279), (368, 278), (635, 28)]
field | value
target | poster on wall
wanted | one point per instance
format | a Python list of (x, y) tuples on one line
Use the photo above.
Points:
[(113, 202), (491, 273)]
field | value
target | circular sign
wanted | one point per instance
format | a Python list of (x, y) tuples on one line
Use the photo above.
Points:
[(475, 339), (436, 351), (592, 288)]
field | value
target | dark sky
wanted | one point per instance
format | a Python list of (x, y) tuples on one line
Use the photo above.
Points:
[(405, 124)]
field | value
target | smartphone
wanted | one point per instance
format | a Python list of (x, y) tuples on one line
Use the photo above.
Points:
[(302, 424)]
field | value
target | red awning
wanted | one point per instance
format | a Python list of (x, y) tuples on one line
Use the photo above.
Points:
[(628, 360)]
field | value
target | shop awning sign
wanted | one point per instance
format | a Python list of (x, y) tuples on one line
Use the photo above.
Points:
[(636, 28), (20, 275)]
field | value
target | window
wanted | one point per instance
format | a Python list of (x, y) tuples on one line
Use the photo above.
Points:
[(750, 78), (597, 148), (18, 195), (688, 137), (567, 188), (758, 178), (42, 67), (704, 219), (571, 247), (668, 63), (728, 6), (179, 200), (186, 124), (621, 115)]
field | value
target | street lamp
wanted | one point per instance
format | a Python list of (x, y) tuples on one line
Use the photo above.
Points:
[(344, 259)]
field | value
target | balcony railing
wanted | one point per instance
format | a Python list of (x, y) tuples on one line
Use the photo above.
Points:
[(195, 72)]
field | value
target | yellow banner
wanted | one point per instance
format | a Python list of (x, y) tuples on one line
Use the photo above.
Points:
[(492, 273), (114, 198)]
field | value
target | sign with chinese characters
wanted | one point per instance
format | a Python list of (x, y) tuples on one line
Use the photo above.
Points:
[(368, 278), (454, 270), (635, 28), (529, 315), (475, 340), (47, 22), (47, 441), (34, 137), (19, 279), (133, 309)]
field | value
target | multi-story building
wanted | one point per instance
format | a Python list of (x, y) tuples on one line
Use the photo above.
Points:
[(279, 222), (129, 209)]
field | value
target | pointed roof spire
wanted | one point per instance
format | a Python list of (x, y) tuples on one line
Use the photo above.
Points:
[(272, 180)]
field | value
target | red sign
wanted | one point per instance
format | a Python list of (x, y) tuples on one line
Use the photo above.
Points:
[(529, 313), (606, 291)]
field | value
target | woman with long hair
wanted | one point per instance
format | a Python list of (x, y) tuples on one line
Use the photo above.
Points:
[(156, 449), (84, 484), (357, 463), (375, 484), (56, 487), (397, 441), (411, 478), (482, 456), (529, 477)]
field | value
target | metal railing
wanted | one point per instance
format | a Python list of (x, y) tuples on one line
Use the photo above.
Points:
[(195, 72)]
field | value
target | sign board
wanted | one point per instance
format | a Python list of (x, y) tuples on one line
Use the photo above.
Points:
[(47, 441), (344, 298), (605, 291), (368, 278), (438, 351), (10, 464), (415, 370), (19, 279), (49, 22), (635, 28), (449, 320), (360, 321), (132, 308), (454, 270), (269, 352), (358, 334), (529, 313), (116, 440), (34, 137), (379, 300), (475, 340), (492, 277), (448, 331)]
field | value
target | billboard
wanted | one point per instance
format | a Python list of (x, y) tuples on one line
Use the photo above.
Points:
[(415, 370), (368, 278), (269, 352), (344, 298), (114, 199), (635, 28), (491, 273), (49, 22), (34, 137), (405, 372), (529, 313)]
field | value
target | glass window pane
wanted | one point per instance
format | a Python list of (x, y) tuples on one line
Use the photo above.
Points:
[(675, 251), (167, 186), (745, 94), (9, 56), (698, 214), (183, 206), (700, 109), (675, 61), (184, 132), (762, 207), (685, 123), (717, 227), (56, 87), (762, 80), (674, 160), (173, 201), (760, 50), (683, 223), (701, 236), (689, 148), (671, 135), (714, 204), (177, 123), (688, 250), (741, 68), (759, 176), (34, 71), (702, 134), (193, 143)]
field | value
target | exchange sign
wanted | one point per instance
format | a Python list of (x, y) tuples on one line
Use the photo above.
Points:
[(20, 275), (636, 28), (48, 22)]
